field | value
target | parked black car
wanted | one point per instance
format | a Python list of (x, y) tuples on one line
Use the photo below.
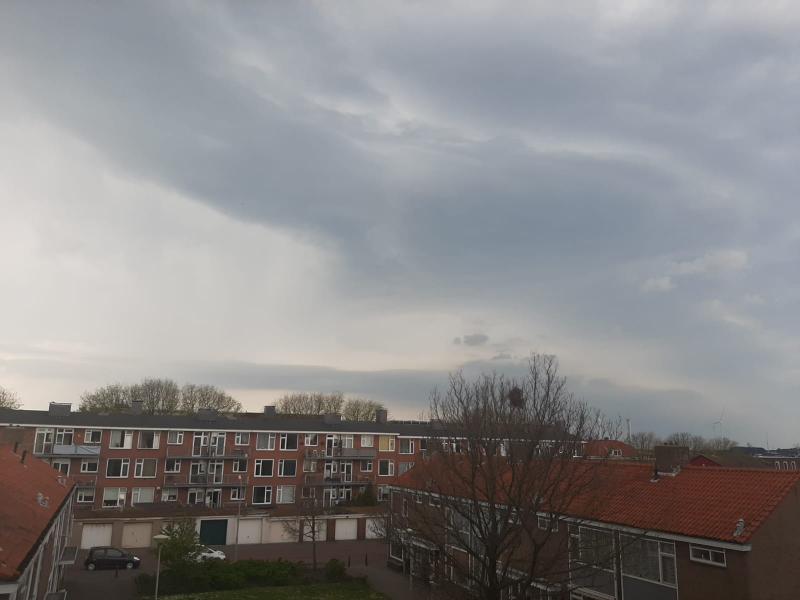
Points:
[(106, 557)]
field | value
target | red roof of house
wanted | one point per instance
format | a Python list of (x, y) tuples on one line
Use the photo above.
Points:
[(33, 493), (603, 448), (697, 502)]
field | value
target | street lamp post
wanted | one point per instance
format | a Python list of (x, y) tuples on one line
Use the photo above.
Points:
[(238, 517), (158, 538)]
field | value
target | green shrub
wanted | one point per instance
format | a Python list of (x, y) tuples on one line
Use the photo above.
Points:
[(335, 570), (145, 584), (263, 572)]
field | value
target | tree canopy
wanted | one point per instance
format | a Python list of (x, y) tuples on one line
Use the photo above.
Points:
[(8, 398)]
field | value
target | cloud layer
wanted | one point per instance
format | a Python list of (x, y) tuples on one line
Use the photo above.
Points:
[(289, 185)]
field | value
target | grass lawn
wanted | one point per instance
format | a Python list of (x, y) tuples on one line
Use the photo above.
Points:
[(321, 591)]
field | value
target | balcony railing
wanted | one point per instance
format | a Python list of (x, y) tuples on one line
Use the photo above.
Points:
[(204, 480), (206, 452), (70, 450), (84, 480), (344, 453), (313, 479)]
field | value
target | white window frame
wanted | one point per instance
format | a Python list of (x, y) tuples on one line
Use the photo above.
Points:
[(60, 433), (410, 445), (258, 467), (235, 465), (238, 493), (178, 438), (139, 468), (45, 445), (390, 443), (127, 439), (543, 523), (281, 492), (309, 437), (125, 468), (122, 495), (285, 439), (270, 441), (81, 492), (59, 462), (176, 465), (88, 461), (309, 466), (156, 440), (87, 441), (239, 438), (282, 464), (199, 496), (711, 551), (390, 469), (267, 494), (169, 494), (367, 441), (136, 495), (368, 462)]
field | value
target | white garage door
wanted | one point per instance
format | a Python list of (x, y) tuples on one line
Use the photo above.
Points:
[(276, 532), (346, 529), (321, 531), (96, 534), (375, 529), (137, 535), (250, 531)]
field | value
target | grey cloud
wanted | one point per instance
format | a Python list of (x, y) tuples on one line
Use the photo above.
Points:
[(475, 339)]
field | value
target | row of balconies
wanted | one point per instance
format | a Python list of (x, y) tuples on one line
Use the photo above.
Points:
[(82, 450), (322, 479), (205, 480), (331, 453)]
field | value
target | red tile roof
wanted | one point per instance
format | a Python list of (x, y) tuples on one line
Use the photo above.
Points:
[(603, 448), (697, 502), (33, 493)]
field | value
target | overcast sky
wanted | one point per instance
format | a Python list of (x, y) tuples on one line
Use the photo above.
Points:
[(365, 196)]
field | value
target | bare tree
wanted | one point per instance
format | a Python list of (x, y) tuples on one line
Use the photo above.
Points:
[(501, 473), (8, 398), (110, 398), (310, 525), (358, 409), (315, 403), (681, 438), (158, 396), (644, 441), (195, 397), (719, 444)]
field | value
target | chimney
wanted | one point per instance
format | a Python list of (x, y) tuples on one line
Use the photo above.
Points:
[(206, 414), (670, 459), (331, 418), (269, 410), (136, 406), (59, 409), (381, 415)]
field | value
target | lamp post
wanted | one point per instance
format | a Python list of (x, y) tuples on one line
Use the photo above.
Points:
[(238, 516), (158, 538)]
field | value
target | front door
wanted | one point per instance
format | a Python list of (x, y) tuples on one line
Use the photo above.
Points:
[(329, 497), (347, 472), (214, 498)]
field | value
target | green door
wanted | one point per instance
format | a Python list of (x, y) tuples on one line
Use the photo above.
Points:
[(213, 532)]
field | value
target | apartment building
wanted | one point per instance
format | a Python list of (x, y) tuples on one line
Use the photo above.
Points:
[(35, 522), (666, 532), (149, 467)]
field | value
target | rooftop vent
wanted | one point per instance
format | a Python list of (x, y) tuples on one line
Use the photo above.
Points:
[(739, 528), (42, 500), (59, 409)]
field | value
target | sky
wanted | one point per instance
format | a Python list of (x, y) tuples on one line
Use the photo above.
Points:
[(365, 197)]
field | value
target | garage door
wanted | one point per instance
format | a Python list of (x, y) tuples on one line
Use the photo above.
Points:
[(321, 531), (250, 531), (276, 532), (96, 534), (213, 532), (346, 529), (137, 535), (375, 529)]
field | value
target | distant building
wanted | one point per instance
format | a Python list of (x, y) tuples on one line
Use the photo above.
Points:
[(613, 449), (731, 458), (35, 521)]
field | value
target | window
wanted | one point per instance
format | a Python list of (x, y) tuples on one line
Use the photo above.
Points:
[(121, 439), (174, 438), (287, 468), (242, 438), (434, 501), (145, 467), (594, 547), (117, 467), (264, 467), (113, 497), (145, 495), (385, 468), (92, 436), (218, 442), (262, 494), (367, 441), (777, 465), (288, 441), (172, 465), (169, 494), (403, 467), (64, 437), (89, 465), (237, 493), (312, 439), (386, 443), (284, 494), (195, 496), (149, 440), (405, 507), (366, 466), (84, 495), (240, 465), (616, 452), (648, 559), (265, 441), (418, 498), (383, 493), (711, 556), (44, 441), (346, 441), (406, 446), (544, 524), (309, 466), (62, 466), (199, 441)]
